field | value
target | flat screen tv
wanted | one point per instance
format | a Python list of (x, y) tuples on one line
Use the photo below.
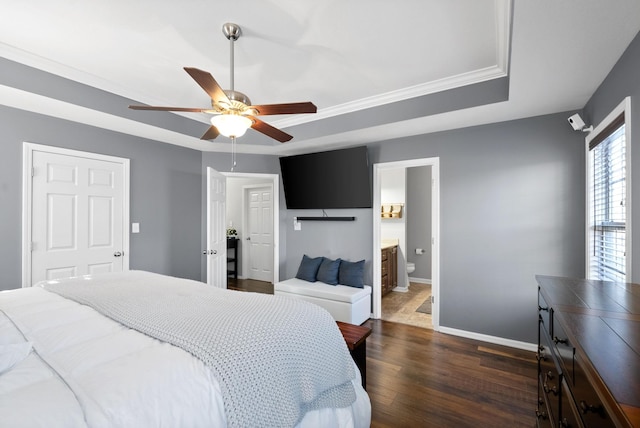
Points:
[(333, 179)]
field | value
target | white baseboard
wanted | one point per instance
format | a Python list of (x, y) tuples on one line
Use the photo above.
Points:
[(490, 339), (420, 280), (401, 289)]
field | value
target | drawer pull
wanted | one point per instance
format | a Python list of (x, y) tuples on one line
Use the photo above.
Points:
[(553, 389), (556, 340), (586, 408), (540, 308), (550, 375), (541, 415), (540, 357), (565, 423)]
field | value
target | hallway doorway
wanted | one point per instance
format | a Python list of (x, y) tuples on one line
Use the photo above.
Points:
[(253, 211)]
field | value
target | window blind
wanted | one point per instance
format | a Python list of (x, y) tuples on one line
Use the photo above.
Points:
[(608, 198)]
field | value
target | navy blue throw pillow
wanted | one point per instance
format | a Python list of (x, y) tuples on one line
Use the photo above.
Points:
[(351, 274), (328, 271), (309, 268)]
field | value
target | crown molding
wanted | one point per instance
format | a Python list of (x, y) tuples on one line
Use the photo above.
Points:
[(464, 79)]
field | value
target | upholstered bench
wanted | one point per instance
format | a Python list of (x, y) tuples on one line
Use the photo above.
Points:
[(344, 303)]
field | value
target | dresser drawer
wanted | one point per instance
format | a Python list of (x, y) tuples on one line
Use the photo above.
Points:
[(549, 376), (543, 419), (569, 417), (589, 406), (564, 350)]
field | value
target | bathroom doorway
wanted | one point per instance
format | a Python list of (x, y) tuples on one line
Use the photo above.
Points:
[(406, 207)]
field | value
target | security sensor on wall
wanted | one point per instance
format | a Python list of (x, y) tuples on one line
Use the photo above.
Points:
[(578, 124)]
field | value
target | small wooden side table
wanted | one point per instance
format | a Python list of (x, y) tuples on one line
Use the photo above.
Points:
[(232, 244), (356, 338)]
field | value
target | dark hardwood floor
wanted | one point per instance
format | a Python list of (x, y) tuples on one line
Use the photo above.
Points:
[(420, 378), (250, 285)]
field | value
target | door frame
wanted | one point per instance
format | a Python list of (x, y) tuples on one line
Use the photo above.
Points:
[(275, 185), (27, 197), (435, 232)]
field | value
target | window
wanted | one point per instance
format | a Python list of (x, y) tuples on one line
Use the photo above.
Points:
[(607, 201)]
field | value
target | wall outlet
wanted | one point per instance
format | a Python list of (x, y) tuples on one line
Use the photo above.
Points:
[(135, 227), (297, 225)]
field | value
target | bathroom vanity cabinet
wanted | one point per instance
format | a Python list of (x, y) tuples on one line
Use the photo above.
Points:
[(389, 268)]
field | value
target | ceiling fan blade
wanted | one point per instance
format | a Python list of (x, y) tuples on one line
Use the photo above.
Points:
[(211, 133), (193, 110), (288, 108), (209, 84), (269, 130)]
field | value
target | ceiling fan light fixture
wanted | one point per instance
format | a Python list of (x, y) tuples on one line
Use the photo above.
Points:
[(231, 125)]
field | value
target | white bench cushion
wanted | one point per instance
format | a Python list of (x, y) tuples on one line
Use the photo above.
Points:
[(344, 303), (340, 293)]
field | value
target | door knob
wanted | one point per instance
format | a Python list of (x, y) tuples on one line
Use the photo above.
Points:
[(214, 251), (117, 254)]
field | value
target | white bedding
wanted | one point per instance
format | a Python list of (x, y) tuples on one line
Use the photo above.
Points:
[(87, 370)]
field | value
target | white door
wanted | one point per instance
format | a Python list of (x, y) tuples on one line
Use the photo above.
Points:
[(78, 218), (259, 237), (216, 251)]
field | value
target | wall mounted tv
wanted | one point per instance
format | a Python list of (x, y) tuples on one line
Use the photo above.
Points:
[(333, 179)]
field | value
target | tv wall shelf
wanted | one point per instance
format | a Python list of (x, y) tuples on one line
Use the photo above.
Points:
[(322, 218)]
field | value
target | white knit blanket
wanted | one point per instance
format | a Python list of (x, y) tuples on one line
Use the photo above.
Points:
[(275, 358)]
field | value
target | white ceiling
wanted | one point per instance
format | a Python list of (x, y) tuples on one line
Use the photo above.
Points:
[(344, 56)]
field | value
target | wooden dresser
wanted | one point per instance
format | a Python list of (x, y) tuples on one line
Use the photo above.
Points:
[(389, 268), (588, 353)]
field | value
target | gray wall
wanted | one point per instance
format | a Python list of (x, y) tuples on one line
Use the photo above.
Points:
[(419, 196), (348, 240), (165, 192), (511, 206), (621, 82)]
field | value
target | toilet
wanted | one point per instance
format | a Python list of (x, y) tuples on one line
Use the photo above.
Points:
[(410, 267)]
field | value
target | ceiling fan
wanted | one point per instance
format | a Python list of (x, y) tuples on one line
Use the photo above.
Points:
[(232, 110)]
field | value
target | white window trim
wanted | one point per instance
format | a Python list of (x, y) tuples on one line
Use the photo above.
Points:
[(623, 107)]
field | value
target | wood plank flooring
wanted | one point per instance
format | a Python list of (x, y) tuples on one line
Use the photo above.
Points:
[(420, 378)]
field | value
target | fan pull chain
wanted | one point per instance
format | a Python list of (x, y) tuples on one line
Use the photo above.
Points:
[(233, 153)]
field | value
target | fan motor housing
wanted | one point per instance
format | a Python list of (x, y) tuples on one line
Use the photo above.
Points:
[(239, 101)]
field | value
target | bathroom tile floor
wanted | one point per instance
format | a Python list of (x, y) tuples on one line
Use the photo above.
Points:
[(401, 307)]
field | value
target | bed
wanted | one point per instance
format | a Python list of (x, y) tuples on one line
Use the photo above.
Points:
[(147, 350)]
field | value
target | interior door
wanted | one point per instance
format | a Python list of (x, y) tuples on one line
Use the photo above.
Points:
[(216, 251), (78, 220), (260, 233)]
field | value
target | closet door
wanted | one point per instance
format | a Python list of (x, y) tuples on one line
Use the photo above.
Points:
[(78, 218)]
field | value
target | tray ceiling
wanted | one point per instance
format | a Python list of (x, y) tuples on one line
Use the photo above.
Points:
[(377, 70)]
